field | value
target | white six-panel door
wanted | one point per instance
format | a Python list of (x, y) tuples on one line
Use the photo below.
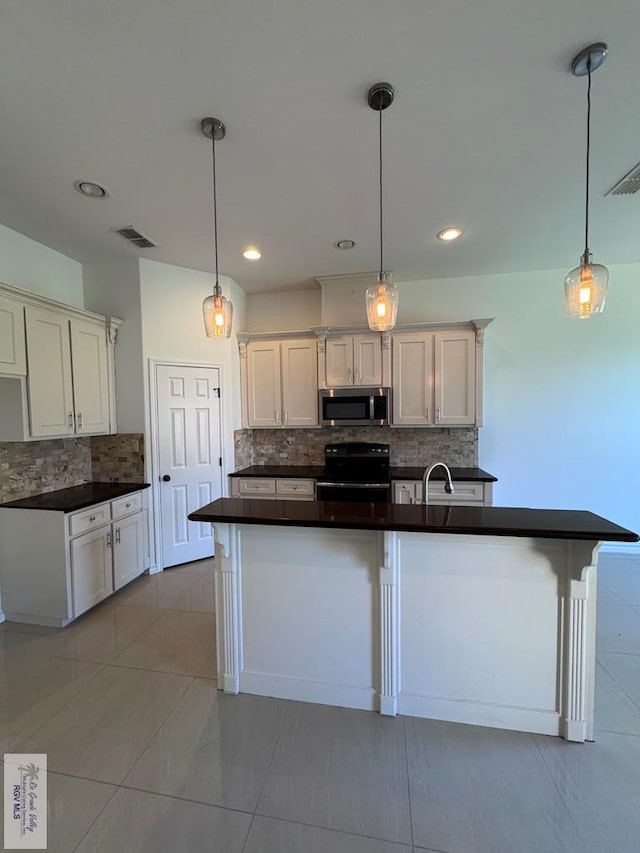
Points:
[(190, 456)]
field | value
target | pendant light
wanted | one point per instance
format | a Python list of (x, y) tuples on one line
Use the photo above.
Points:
[(381, 297), (217, 310), (585, 287)]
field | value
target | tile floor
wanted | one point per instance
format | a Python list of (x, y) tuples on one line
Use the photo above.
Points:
[(144, 754)]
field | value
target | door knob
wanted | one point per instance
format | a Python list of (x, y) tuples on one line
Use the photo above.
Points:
[(166, 478)]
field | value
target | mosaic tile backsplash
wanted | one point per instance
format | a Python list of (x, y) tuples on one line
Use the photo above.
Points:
[(409, 446), (32, 467)]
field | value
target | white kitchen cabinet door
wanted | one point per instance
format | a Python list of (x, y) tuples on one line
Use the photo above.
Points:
[(13, 354), (367, 360), (49, 379), (299, 359), (264, 398), (339, 361), (90, 381), (455, 378), (91, 569), (128, 549), (412, 383)]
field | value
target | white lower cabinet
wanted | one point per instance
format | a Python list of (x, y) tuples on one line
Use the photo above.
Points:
[(54, 566), (465, 493), (269, 488)]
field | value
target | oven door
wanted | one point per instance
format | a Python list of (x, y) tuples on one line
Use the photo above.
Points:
[(364, 492)]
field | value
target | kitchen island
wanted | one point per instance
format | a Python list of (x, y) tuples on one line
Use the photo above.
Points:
[(482, 615)]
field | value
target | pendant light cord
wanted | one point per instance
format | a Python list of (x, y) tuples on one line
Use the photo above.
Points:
[(380, 183), (586, 216), (215, 212)]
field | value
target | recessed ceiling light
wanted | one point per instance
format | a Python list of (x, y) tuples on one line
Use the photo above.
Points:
[(345, 244), (252, 254), (91, 189), (448, 234)]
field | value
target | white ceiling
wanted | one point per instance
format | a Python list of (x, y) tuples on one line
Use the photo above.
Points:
[(487, 131)]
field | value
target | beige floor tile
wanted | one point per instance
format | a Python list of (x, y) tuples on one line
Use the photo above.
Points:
[(198, 567), (102, 732), (72, 807), (618, 629), (103, 633), (340, 769), (148, 823), (481, 790), (625, 671), (615, 711), (277, 836), (158, 591), (599, 782), (213, 748), (33, 687), (177, 642), (199, 598), (622, 577)]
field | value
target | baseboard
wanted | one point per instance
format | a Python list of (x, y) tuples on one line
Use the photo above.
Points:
[(480, 714), (29, 619), (281, 687)]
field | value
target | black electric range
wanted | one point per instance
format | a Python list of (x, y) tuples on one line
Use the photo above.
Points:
[(355, 471)]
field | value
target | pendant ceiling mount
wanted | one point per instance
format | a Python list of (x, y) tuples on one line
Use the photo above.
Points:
[(213, 128), (589, 59), (380, 96)]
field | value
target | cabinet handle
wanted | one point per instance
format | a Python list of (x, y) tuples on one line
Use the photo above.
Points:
[(80, 420), (355, 377), (109, 540), (276, 415), (70, 419), (286, 416), (437, 414), (426, 413), (349, 381), (92, 518), (117, 535)]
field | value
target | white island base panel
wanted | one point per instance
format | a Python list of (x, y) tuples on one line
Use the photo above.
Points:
[(489, 630)]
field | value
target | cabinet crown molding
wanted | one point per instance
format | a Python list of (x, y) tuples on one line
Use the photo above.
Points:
[(27, 297)]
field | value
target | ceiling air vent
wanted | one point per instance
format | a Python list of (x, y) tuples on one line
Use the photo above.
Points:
[(133, 236), (628, 185)]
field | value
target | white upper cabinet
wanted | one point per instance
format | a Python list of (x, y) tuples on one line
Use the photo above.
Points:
[(436, 378), (455, 378), (280, 379), (353, 360), (67, 379), (412, 378), (299, 382), (90, 381), (50, 381), (13, 354)]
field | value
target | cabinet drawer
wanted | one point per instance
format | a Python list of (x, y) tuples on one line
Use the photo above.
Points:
[(256, 487), (89, 519), (295, 488), (462, 492), (126, 505)]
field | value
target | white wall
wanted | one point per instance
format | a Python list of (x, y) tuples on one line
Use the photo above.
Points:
[(562, 397), (113, 289), (173, 330), (282, 312), (32, 266)]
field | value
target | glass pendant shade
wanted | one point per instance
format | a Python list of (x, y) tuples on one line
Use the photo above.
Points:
[(218, 315), (585, 289), (382, 304)]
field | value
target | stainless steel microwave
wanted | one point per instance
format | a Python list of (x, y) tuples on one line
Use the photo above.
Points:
[(355, 406)]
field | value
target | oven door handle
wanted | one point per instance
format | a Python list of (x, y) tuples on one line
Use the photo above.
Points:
[(355, 485)]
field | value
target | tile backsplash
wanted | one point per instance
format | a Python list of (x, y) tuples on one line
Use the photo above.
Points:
[(31, 467), (409, 446)]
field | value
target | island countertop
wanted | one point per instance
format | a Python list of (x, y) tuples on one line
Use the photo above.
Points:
[(474, 520)]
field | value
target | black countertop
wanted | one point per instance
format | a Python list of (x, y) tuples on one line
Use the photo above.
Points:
[(485, 520), (398, 472), (77, 497)]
